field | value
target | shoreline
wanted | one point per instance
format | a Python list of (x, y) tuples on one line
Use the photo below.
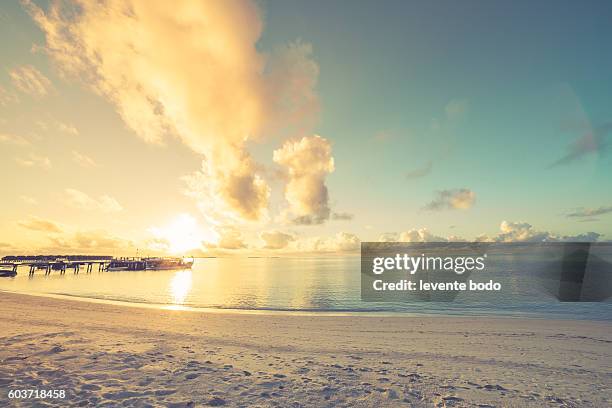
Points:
[(105, 355), (297, 312)]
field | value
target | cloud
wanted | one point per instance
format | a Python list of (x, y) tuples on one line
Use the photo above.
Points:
[(417, 235), (585, 237), (39, 224), (276, 239), (341, 242), (81, 200), (342, 216), (31, 81), (229, 198), (591, 142), (520, 232), (458, 199), (28, 200), (420, 235), (90, 241), (588, 220), (34, 160), (97, 239), (6, 97), (13, 139), (457, 108), (83, 160), (589, 212), (53, 124), (346, 242), (67, 128), (190, 69), (524, 232), (230, 238), (388, 237), (307, 162), (420, 172), (509, 231)]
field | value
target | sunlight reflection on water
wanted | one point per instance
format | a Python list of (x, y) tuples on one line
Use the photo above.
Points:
[(180, 286)]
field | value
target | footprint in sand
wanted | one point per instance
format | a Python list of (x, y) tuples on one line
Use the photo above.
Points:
[(56, 349), (145, 382), (121, 395), (161, 393), (216, 402)]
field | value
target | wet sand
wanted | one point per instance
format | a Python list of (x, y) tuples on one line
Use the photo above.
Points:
[(109, 355)]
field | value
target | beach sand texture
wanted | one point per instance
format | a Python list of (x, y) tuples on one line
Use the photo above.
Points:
[(109, 355)]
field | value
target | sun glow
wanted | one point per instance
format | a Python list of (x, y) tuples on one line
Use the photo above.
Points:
[(180, 286), (180, 235)]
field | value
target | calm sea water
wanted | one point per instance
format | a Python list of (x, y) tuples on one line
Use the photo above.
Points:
[(286, 284)]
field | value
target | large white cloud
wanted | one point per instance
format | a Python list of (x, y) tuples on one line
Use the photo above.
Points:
[(307, 162), (192, 69)]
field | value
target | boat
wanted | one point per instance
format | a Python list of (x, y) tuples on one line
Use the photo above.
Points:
[(7, 273), (152, 263), (168, 263), (116, 266)]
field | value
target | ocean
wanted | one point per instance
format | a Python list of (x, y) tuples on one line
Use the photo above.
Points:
[(307, 285)]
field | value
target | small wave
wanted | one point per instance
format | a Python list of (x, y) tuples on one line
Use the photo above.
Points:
[(513, 311)]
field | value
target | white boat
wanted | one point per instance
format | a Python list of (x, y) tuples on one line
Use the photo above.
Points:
[(168, 263)]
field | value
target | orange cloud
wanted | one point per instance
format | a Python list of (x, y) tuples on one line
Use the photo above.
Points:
[(39, 224), (34, 160), (191, 69), (31, 81), (276, 239), (455, 199), (82, 200)]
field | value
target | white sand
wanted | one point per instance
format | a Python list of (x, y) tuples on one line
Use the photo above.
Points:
[(107, 355)]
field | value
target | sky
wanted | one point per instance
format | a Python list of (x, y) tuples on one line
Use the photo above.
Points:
[(283, 127)]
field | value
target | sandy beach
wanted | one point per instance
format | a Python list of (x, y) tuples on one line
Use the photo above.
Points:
[(109, 355)]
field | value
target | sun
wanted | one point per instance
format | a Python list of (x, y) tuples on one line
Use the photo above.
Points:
[(182, 234)]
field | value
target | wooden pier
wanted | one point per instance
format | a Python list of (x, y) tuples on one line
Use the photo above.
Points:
[(10, 264), (49, 263)]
